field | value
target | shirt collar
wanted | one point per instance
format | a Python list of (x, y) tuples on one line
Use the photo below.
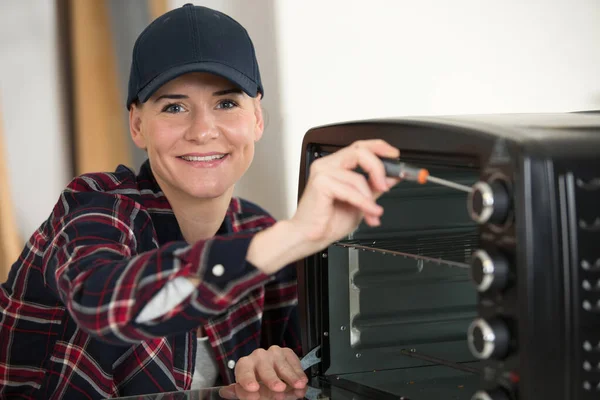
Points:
[(163, 218)]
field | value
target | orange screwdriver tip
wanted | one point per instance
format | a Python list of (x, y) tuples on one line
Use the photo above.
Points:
[(423, 175)]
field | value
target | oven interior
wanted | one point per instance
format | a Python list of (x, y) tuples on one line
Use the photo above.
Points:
[(397, 299)]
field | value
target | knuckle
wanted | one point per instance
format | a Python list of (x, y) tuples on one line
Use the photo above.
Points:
[(289, 351), (242, 367), (243, 362), (315, 167), (261, 353), (291, 356), (274, 348), (320, 180)]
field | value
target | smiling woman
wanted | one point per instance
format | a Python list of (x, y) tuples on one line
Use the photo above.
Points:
[(163, 280), (200, 134)]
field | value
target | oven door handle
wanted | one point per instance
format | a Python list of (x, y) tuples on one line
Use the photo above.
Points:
[(311, 358)]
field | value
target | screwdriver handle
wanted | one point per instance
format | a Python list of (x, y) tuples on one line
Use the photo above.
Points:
[(397, 169)]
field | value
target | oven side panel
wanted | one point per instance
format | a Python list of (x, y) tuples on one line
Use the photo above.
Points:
[(559, 288), (552, 339)]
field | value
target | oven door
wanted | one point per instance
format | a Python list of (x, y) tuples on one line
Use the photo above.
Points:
[(390, 306)]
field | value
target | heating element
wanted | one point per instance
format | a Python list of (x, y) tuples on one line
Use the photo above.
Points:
[(451, 247)]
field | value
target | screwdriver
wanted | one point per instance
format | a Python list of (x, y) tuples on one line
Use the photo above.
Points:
[(402, 170)]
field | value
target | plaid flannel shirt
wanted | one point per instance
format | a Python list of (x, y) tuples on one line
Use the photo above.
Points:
[(69, 306)]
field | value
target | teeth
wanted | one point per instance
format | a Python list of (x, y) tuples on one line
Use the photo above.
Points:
[(207, 158)]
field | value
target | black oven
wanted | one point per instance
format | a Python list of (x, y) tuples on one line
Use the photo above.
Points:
[(488, 295)]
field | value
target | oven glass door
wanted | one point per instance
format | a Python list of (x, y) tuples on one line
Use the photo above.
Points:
[(390, 306)]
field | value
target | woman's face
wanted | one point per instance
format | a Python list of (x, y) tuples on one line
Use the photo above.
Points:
[(199, 131)]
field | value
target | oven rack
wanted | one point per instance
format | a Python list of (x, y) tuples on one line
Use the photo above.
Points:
[(450, 246)]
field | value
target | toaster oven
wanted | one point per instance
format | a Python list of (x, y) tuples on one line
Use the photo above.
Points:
[(487, 295)]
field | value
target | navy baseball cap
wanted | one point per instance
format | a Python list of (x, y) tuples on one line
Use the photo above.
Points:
[(192, 39)]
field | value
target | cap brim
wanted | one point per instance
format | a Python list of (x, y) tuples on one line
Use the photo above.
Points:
[(224, 71)]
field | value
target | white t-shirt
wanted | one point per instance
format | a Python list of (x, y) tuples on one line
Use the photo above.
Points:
[(206, 370)]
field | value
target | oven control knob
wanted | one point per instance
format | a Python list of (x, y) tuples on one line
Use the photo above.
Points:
[(489, 202), (490, 395), (489, 271), (488, 339)]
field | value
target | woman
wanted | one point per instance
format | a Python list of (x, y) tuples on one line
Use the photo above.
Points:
[(163, 281)]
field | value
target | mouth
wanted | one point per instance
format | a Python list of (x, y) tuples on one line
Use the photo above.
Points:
[(204, 161), (210, 158)]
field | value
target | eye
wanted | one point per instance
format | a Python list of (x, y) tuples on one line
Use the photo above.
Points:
[(173, 108), (227, 104)]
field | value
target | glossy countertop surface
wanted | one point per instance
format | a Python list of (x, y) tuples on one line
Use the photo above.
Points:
[(434, 382), (316, 390)]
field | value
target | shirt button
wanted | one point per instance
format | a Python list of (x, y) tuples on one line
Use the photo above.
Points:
[(230, 364), (218, 270)]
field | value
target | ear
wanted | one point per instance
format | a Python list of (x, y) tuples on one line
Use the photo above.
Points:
[(135, 126), (259, 126)]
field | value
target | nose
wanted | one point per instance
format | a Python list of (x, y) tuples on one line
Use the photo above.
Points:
[(202, 129)]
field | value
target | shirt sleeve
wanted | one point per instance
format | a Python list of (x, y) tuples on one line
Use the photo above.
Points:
[(94, 263), (170, 296)]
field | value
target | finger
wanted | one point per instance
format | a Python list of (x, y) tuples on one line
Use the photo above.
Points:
[(390, 182), (348, 194), (245, 375), (356, 156), (269, 377), (358, 181), (282, 367), (359, 156), (381, 148), (296, 365), (372, 221), (286, 372), (374, 167), (377, 146)]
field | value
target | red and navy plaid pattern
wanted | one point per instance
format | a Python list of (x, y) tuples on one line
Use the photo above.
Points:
[(69, 306)]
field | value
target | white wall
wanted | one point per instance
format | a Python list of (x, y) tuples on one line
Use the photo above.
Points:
[(350, 59), (30, 101), (340, 60)]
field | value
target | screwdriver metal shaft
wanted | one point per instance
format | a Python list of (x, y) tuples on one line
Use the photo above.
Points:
[(397, 169), (449, 184)]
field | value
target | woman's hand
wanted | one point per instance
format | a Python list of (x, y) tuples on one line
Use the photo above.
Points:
[(336, 198), (275, 368)]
